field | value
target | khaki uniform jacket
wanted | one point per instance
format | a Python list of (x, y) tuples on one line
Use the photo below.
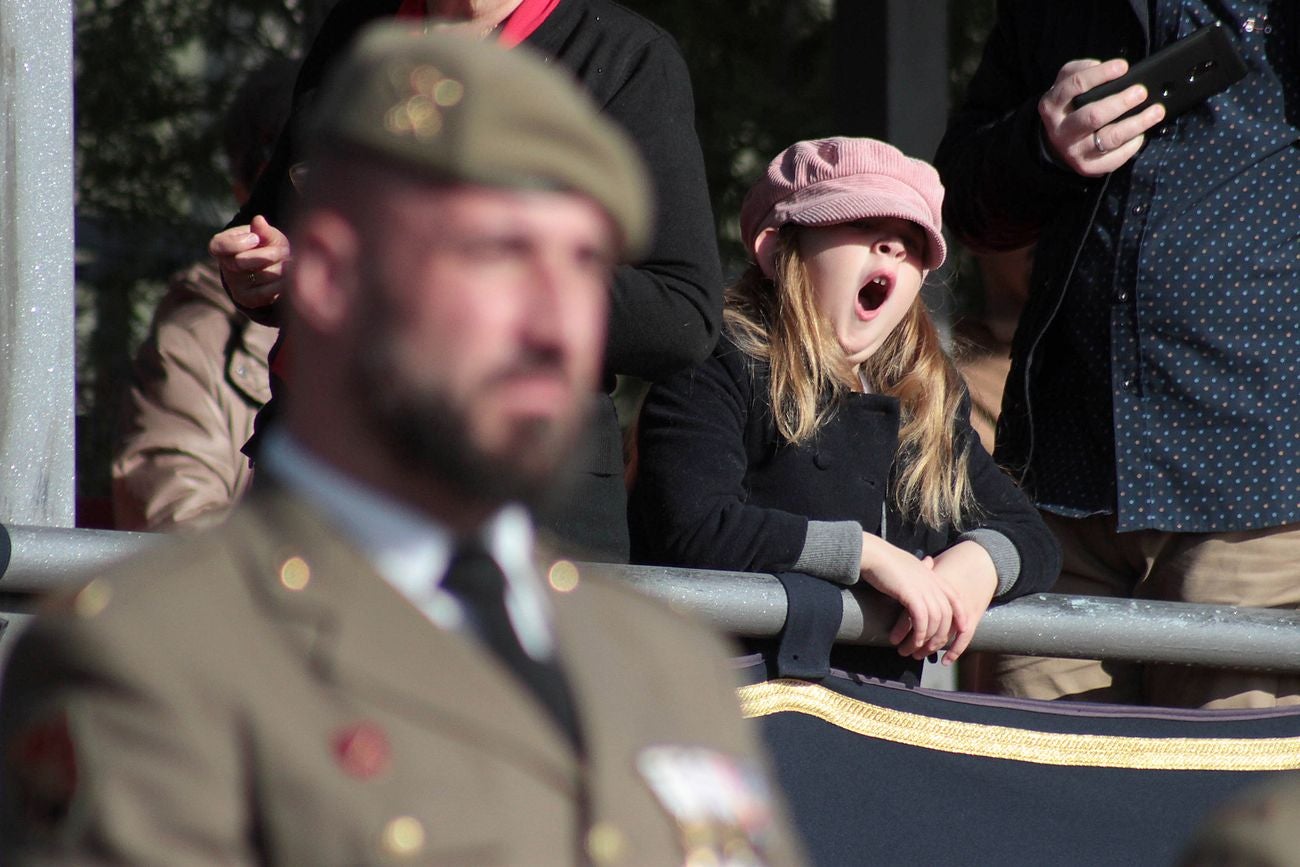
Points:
[(259, 695)]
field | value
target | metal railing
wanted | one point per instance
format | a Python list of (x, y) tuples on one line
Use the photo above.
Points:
[(35, 560)]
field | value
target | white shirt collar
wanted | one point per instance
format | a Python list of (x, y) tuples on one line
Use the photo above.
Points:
[(410, 551)]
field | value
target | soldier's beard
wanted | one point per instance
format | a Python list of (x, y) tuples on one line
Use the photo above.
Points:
[(428, 434)]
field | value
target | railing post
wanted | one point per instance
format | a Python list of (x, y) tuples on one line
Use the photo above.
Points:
[(37, 445)]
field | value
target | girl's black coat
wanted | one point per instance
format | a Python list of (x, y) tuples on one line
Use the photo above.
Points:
[(718, 489)]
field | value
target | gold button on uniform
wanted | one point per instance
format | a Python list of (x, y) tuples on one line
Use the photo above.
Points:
[(92, 599), (295, 574), (563, 576), (606, 843), (702, 857), (403, 836)]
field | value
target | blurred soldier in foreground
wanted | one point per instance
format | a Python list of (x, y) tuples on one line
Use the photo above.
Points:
[(370, 662)]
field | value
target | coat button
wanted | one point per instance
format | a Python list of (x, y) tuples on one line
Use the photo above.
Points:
[(822, 461), (92, 599), (403, 837), (563, 576), (606, 844), (295, 574)]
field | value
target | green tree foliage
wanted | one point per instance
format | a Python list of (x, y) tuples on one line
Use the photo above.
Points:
[(152, 78), (969, 23)]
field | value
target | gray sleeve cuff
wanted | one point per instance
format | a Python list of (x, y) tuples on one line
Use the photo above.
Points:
[(1006, 559), (832, 550)]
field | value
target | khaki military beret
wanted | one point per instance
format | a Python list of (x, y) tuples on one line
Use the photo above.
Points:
[(452, 108)]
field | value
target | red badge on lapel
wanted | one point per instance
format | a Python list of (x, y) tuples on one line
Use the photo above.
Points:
[(44, 764), (362, 750)]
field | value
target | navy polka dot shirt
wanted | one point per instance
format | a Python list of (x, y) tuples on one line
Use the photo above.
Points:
[(1172, 374)]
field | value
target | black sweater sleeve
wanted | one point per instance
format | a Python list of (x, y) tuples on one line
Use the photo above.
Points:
[(666, 310)]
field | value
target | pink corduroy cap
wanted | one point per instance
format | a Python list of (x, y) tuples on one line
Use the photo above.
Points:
[(840, 180)]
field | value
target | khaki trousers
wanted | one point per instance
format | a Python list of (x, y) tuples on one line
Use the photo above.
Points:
[(1257, 568)]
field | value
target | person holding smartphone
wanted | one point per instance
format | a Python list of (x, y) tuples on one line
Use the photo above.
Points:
[(1151, 407)]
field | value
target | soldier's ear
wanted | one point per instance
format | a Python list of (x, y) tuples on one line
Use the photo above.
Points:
[(326, 271), (765, 251)]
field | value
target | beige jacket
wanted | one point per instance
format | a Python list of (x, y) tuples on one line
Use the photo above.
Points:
[(199, 379), (259, 695)]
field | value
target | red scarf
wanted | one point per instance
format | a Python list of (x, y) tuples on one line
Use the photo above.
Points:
[(517, 27)]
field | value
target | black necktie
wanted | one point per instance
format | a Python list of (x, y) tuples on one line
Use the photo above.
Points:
[(477, 582)]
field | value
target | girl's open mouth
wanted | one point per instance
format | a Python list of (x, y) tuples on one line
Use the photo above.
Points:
[(873, 294)]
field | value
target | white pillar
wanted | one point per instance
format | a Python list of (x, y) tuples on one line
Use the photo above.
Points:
[(37, 413)]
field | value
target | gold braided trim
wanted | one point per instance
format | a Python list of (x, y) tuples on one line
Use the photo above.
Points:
[(1022, 745)]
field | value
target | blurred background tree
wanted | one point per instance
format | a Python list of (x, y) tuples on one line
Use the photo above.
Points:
[(153, 78)]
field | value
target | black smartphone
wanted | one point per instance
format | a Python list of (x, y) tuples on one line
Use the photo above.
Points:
[(1179, 75)]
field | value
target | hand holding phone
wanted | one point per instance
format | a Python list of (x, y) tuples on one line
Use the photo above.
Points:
[(1179, 76), (1093, 141), (1095, 115)]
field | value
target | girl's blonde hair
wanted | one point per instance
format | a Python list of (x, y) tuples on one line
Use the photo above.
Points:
[(777, 321)]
